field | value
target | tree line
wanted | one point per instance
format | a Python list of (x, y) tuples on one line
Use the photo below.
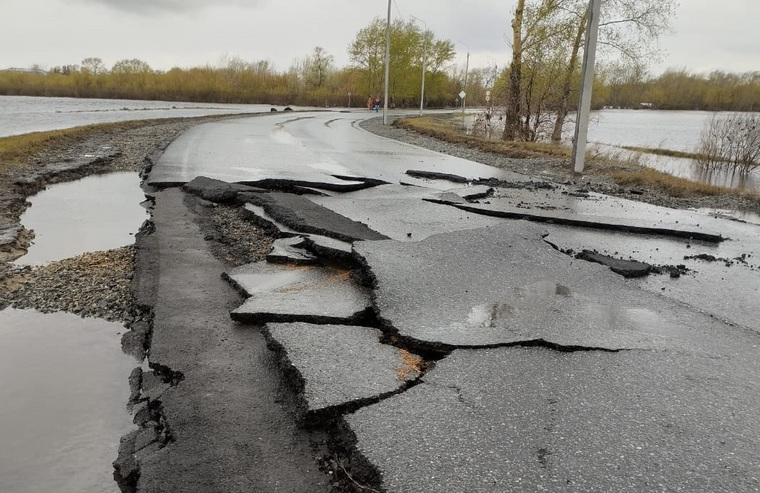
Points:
[(312, 80), (538, 88)]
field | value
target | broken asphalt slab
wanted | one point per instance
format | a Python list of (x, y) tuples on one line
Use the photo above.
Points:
[(533, 419), (626, 268), (339, 366), (304, 216), (290, 251), (281, 293), (217, 191), (504, 285), (728, 293), (608, 223), (398, 212), (342, 184)]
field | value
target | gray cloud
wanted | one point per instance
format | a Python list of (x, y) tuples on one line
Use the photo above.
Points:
[(141, 7)]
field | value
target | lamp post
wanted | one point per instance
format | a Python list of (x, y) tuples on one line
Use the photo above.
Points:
[(466, 69), (424, 61), (387, 62)]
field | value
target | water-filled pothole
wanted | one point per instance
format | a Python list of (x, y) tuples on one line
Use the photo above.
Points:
[(95, 213), (62, 413)]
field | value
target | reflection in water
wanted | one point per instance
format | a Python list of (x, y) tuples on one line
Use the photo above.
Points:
[(283, 137), (95, 213), (486, 315), (526, 298), (62, 412), (617, 318), (691, 170)]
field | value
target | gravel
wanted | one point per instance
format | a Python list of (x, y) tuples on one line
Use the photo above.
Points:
[(91, 285)]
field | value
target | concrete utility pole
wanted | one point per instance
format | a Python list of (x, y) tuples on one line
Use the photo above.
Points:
[(387, 62), (584, 106), (424, 60), (466, 70)]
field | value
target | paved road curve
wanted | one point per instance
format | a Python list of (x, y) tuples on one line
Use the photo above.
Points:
[(531, 370)]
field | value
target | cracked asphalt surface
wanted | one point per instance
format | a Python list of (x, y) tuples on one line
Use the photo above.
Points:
[(531, 370)]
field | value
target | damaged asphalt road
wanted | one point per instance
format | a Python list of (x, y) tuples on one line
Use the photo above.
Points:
[(429, 347)]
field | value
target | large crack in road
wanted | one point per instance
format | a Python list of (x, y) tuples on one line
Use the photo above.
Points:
[(544, 355)]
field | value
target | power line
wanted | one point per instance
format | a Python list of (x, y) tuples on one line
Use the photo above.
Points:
[(398, 11)]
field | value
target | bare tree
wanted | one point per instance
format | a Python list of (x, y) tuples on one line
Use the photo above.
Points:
[(93, 65), (513, 112)]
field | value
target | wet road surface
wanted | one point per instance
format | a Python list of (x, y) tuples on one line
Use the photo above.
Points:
[(520, 367)]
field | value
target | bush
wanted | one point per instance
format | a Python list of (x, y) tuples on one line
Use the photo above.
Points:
[(731, 143)]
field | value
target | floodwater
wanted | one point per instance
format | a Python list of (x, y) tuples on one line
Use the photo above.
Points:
[(25, 114), (62, 412), (99, 212), (610, 130), (64, 379)]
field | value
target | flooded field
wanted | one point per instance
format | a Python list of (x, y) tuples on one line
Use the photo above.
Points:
[(612, 130), (25, 114)]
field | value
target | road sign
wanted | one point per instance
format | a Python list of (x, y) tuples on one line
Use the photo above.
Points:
[(488, 96), (462, 94)]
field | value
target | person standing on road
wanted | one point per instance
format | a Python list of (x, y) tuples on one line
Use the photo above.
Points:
[(369, 103)]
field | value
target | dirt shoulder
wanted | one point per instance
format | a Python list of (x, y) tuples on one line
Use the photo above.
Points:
[(95, 284), (597, 177)]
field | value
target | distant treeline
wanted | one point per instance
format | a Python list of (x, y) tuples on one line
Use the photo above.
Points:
[(258, 82), (684, 90), (245, 84)]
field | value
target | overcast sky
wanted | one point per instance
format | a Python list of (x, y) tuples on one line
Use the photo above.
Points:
[(708, 34)]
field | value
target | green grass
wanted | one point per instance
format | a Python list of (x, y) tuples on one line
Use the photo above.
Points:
[(17, 149), (669, 184), (665, 152)]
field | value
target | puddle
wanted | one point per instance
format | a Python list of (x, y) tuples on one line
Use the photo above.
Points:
[(489, 315), (92, 214), (746, 216), (64, 384)]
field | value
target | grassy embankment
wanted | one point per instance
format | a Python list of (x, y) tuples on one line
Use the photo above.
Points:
[(16, 149), (622, 172)]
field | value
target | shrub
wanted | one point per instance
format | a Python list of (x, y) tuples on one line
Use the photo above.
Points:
[(731, 142)]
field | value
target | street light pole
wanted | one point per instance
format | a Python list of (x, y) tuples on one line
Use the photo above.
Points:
[(424, 61), (584, 106), (466, 70), (387, 62)]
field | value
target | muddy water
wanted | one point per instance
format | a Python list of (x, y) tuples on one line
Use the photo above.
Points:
[(62, 412), (92, 214), (63, 378)]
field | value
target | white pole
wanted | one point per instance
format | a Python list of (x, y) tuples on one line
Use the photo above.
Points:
[(387, 62), (466, 70), (584, 106), (424, 60)]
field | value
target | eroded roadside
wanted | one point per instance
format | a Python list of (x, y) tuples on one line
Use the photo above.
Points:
[(58, 286), (102, 284)]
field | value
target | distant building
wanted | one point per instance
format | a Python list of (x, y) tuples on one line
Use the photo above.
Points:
[(33, 70)]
